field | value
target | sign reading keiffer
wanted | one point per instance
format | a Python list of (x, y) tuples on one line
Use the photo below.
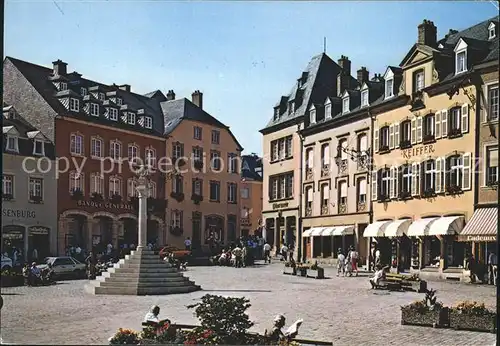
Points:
[(106, 205), (417, 151)]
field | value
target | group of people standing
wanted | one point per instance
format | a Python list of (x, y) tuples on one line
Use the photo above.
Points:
[(347, 265)]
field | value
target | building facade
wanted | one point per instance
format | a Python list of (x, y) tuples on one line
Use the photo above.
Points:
[(337, 207), (423, 179), (251, 195), (282, 147), (203, 201), (29, 219), (101, 133)]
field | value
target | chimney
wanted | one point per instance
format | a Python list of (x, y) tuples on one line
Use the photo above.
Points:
[(363, 75), (60, 68), (427, 34), (197, 98), (170, 95), (125, 87), (345, 74)]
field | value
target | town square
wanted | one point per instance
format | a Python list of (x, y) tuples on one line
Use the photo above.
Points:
[(276, 173)]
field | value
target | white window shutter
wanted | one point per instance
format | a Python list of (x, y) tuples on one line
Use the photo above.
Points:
[(419, 129), (437, 125), (396, 181), (391, 183), (391, 136), (444, 123), (465, 118), (375, 139), (414, 131), (438, 174), (467, 172), (374, 186), (396, 135), (415, 179)]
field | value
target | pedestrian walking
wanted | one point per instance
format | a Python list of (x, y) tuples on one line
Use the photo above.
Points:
[(284, 252), (492, 268), (238, 253), (353, 259), (187, 243), (340, 263), (267, 252)]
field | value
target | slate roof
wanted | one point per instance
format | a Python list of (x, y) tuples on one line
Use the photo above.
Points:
[(250, 167), (177, 110), (40, 78), (320, 83)]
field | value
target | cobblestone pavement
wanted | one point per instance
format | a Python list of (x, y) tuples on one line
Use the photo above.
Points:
[(341, 310)]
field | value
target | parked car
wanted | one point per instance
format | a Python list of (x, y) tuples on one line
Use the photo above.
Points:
[(6, 263), (65, 266)]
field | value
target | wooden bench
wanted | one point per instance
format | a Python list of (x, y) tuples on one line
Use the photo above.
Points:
[(407, 282)]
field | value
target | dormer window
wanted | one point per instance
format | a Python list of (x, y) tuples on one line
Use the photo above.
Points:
[(461, 62), (148, 122), (291, 107), (113, 114), (83, 91), (492, 31), (364, 98), (63, 86), (131, 118), (38, 147), (94, 109), (328, 110), (418, 80), (12, 144), (389, 88), (345, 105), (276, 113), (74, 105), (119, 101), (312, 115), (102, 97)]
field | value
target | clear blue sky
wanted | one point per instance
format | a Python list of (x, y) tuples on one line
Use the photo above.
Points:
[(242, 55)]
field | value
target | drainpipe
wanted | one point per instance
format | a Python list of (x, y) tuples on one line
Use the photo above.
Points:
[(369, 181), (299, 223)]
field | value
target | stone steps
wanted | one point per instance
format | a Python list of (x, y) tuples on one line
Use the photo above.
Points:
[(156, 280), (147, 275), (143, 291)]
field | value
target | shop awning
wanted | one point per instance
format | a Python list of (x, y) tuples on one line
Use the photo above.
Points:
[(420, 228), (482, 226), (447, 225), (328, 231), (376, 229), (343, 230), (397, 228), (317, 231), (307, 233)]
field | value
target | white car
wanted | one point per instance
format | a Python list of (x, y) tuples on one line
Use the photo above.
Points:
[(6, 263), (65, 266)]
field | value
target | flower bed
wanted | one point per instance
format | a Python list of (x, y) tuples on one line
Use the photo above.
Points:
[(426, 312), (288, 270), (472, 316), (317, 273)]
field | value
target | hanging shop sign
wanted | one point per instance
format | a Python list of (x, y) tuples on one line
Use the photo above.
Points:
[(107, 205), (38, 230), (280, 205), (13, 232), (478, 238), (417, 151)]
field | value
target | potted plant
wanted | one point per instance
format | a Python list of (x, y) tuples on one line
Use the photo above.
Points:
[(404, 195), (124, 337), (97, 197), (426, 312), (7, 196), (76, 194), (196, 198), (178, 196), (315, 271), (115, 198), (290, 268), (473, 316)]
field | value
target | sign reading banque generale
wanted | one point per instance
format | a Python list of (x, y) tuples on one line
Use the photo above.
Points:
[(417, 151), (102, 205)]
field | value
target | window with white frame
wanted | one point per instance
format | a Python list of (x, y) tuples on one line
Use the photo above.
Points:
[(177, 150), (461, 61), (245, 193), (94, 109), (342, 190), (406, 177), (405, 134), (96, 147), (76, 182), (418, 80), (215, 137), (328, 111), (309, 158), (384, 138), (197, 187), (362, 148), (74, 105), (456, 170), (132, 188), (325, 155), (281, 186), (232, 163), (385, 183), (115, 150), (197, 153), (63, 86), (150, 157), (148, 122), (83, 91), (309, 197), (97, 184), (312, 115), (177, 218), (102, 97), (492, 32), (364, 98), (76, 144), (8, 185), (178, 184), (133, 151), (35, 189), (430, 175), (492, 103), (343, 150), (429, 127), (119, 101), (232, 189), (197, 132), (325, 195), (152, 189), (12, 143), (345, 105), (492, 165), (115, 186), (288, 146), (361, 190), (281, 148), (38, 147), (131, 118), (274, 151), (389, 88), (454, 122), (215, 160), (113, 113)]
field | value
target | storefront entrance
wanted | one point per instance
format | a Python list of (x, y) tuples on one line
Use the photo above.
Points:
[(12, 240), (38, 238)]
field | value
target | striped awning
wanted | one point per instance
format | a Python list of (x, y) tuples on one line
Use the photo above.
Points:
[(328, 231), (397, 228), (343, 230), (447, 225), (376, 229), (482, 226), (317, 231), (307, 233), (420, 228)]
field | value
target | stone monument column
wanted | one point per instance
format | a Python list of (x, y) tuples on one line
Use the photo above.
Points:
[(142, 222)]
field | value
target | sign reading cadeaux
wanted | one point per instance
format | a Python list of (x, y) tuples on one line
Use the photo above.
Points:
[(417, 151), (102, 205)]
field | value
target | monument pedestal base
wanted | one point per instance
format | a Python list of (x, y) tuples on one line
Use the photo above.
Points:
[(141, 273)]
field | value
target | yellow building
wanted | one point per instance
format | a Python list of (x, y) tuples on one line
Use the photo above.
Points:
[(423, 180)]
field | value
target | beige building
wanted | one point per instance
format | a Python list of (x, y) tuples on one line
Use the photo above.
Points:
[(251, 195), (203, 200), (423, 181), (283, 152), (29, 212)]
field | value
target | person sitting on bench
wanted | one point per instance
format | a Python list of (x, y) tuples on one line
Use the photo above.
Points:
[(152, 319), (379, 275)]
